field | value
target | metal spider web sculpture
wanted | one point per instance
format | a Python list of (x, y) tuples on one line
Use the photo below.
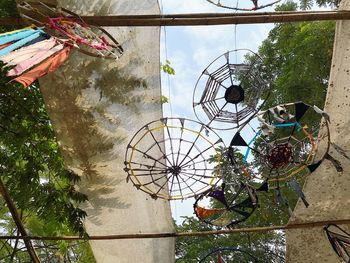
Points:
[(169, 158), (62, 23), (286, 143), (226, 207), (252, 5), (283, 145), (229, 254), (230, 90), (340, 241)]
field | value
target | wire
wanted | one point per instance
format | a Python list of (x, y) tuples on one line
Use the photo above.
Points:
[(166, 58), (235, 34), (168, 84)]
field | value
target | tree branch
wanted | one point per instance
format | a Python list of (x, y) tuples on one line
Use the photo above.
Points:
[(18, 222)]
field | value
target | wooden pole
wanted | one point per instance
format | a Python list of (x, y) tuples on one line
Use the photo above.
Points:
[(17, 219), (202, 19), (189, 234)]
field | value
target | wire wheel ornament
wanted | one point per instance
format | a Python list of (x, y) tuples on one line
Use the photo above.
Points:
[(170, 158), (228, 254), (226, 207), (292, 139), (62, 23), (230, 90), (251, 5), (340, 241)]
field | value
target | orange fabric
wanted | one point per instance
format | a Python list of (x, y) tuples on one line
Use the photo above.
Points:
[(245, 171), (220, 260), (46, 67), (204, 213), (5, 45)]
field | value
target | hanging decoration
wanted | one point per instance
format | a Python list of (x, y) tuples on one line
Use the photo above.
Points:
[(172, 158), (251, 5), (30, 53), (229, 254), (340, 241), (291, 141), (39, 49), (230, 90), (62, 23), (286, 142), (226, 206)]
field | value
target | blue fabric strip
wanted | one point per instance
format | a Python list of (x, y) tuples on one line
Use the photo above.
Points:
[(20, 43), (251, 141), (42, 37), (287, 124), (16, 36)]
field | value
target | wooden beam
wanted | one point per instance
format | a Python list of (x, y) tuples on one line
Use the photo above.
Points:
[(202, 19), (17, 219), (190, 234)]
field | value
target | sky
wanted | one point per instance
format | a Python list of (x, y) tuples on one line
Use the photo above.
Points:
[(190, 50)]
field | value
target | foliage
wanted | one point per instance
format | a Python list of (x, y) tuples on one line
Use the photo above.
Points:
[(308, 4), (297, 59), (32, 167), (268, 247), (8, 8), (166, 68), (164, 99)]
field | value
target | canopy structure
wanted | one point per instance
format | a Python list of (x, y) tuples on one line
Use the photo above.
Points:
[(96, 105), (328, 192)]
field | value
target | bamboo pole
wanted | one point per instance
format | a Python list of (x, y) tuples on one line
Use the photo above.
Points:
[(188, 234), (202, 19), (17, 219)]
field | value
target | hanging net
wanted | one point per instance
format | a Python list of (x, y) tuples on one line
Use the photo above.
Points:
[(62, 23), (248, 5), (173, 158), (230, 90)]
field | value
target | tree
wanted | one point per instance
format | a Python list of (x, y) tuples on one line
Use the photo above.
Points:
[(268, 247), (307, 4), (297, 59)]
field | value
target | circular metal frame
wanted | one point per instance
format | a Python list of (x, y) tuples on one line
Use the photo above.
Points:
[(235, 6), (282, 125), (227, 95), (170, 158), (60, 22)]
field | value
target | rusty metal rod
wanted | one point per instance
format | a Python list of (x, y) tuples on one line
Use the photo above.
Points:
[(188, 234), (202, 19)]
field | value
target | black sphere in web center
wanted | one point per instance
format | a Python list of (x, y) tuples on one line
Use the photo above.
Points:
[(175, 170), (234, 94)]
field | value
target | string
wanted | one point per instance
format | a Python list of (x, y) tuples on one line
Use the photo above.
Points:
[(168, 83), (235, 35)]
